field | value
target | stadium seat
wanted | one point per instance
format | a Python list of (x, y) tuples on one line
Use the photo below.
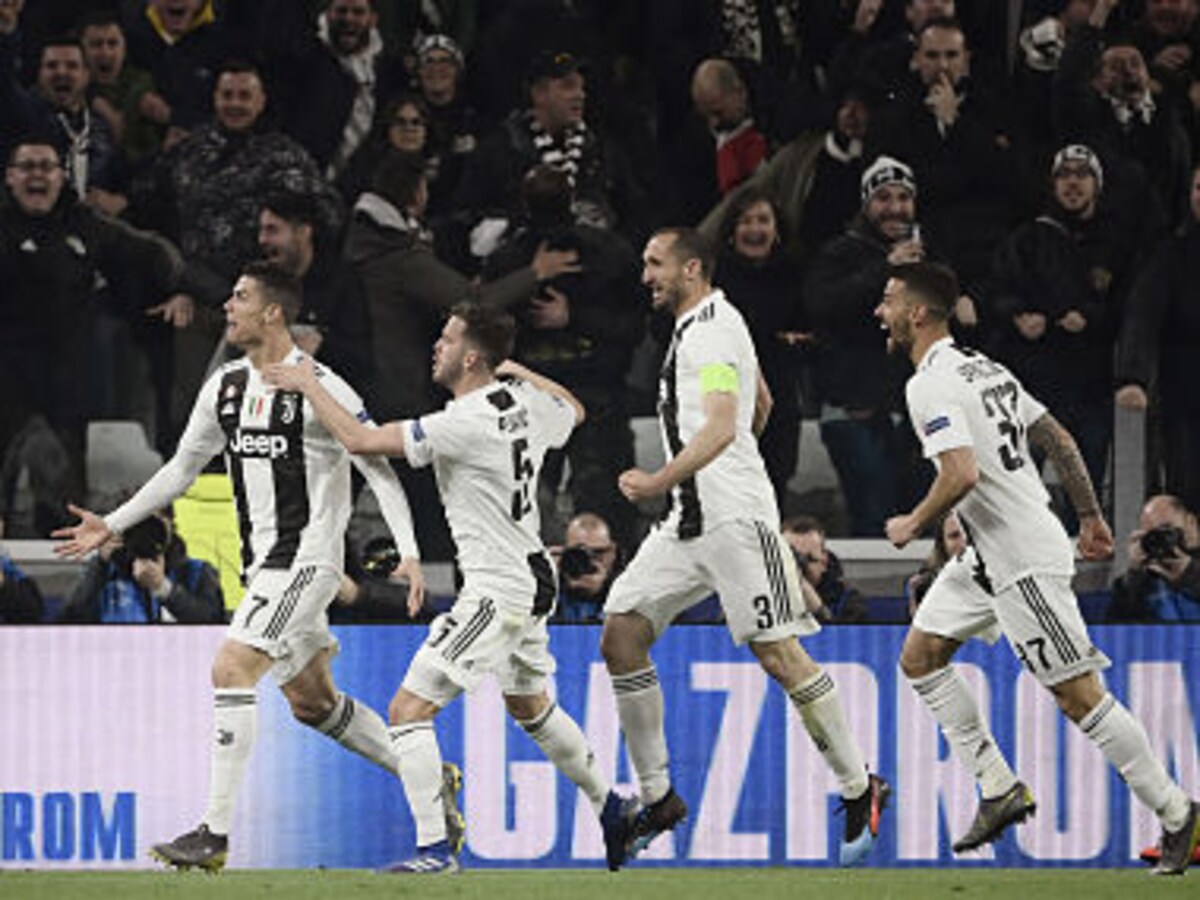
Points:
[(119, 460)]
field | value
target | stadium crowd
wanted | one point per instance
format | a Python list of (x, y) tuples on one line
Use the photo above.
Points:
[(401, 157)]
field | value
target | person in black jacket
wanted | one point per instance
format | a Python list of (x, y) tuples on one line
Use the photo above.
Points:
[(762, 281), (52, 251), (1162, 583), (1058, 285), (147, 579), (580, 328)]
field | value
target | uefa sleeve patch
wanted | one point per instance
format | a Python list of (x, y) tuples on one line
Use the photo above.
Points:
[(933, 426), (363, 416), (418, 432)]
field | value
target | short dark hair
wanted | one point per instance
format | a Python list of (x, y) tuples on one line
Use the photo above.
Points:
[(947, 22), (98, 18), (691, 244), (34, 139), (397, 177), (493, 331), (803, 525), (294, 206), (279, 287), (934, 283), (235, 66), (62, 39)]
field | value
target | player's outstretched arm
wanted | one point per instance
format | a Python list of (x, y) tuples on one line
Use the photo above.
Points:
[(958, 472), (542, 383), (355, 436), (1048, 435)]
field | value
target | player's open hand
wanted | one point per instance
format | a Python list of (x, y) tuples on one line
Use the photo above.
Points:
[(81, 539), (410, 571), (1095, 538), (637, 485), (299, 377)]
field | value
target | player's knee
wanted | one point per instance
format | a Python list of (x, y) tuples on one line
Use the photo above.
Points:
[(526, 707), (783, 661), (312, 710), (924, 654), (625, 643), (408, 707), (1079, 696)]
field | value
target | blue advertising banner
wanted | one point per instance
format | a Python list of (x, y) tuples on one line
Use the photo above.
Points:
[(104, 736)]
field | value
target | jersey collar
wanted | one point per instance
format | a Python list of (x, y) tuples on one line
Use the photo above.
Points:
[(932, 351)]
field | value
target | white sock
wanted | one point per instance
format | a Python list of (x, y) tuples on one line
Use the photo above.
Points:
[(952, 705), (564, 745), (1123, 742), (640, 709), (357, 727), (235, 722), (817, 702), (419, 762)]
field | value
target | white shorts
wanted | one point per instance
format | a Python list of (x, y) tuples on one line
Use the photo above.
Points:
[(745, 561), (283, 615), (956, 605), (477, 637), (1038, 614)]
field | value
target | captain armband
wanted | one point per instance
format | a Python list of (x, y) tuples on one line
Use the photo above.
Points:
[(718, 377)]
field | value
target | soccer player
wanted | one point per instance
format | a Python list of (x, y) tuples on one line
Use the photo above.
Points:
[(976, 422), (292, 487), (722, 533), (486, 448)]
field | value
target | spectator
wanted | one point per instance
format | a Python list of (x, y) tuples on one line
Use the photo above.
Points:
[(452, 126), (552, 131), (1169, 40), (367, 594), (580, 329), (20, 600), (813, 180), (147, 578), (52, 251), (332, 325), (124, 95), (335, 82), (1104, 98), (1162, 583), (1059, 284), (763, 283), (588, 562), (182, 44), (839, 603), (1157, 348), (57, 106), (949, 541), (403, 128), (722, 101), (960, 146), (842, 286)]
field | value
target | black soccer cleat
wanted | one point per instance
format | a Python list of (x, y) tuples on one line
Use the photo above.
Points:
[(199, 849), (862, 821), (995, 815), (456, 823), (616, 821), (1176, 847), (662, 815)]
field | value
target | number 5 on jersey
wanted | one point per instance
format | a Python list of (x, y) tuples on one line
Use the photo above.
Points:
[(523, 475)]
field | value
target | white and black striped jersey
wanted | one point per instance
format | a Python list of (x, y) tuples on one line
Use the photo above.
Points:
[(291, 477), (960, 398), (735, 484), (486, 449)]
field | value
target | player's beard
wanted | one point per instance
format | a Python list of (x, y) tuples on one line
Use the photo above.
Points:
[(448, 372)]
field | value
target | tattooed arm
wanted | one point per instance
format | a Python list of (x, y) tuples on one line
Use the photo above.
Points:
[(1047, 435)]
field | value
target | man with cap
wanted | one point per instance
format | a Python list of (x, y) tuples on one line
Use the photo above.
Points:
[(552, 132), (1060, 280), (854, 377)]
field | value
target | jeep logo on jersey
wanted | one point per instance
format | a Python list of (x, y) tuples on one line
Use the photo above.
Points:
[(250, 443)]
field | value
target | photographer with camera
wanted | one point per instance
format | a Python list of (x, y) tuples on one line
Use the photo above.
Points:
[(587, 562), (367, 593), (147, 578), (1162, 583), (839, 602)]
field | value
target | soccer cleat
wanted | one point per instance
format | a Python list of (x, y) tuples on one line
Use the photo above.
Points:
[(1176, 847), (456, 824), (1151, 855), (436, 859), (651, 821), (994, 815), (199, 849), (616, 821), (862, 821)]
